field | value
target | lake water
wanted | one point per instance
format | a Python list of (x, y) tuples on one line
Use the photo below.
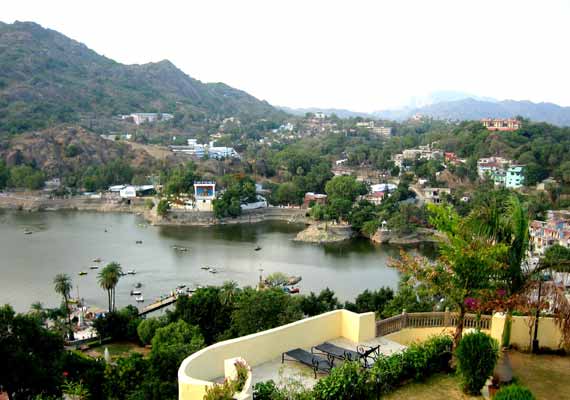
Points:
[(68, 242)]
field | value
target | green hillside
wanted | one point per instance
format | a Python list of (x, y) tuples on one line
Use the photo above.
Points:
[(48, 78)]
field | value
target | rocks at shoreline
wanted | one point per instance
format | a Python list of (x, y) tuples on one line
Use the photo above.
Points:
[(421, 235), (325, 232)]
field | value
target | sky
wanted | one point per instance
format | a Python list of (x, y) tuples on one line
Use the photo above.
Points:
[(359, 55)]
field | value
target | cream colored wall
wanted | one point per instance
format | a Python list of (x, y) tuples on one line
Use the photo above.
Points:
[(196, 371), (413, 335), (549, 334)]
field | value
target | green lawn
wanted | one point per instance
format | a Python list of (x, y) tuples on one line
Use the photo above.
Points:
[(116, 349), (548, 377)]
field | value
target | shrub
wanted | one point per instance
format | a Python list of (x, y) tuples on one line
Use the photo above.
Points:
[(267, 391), (416, 362), (163, 207), (242, 372), (149, 204), (348, 381), (225, 391), (477, 356), (514, 392)]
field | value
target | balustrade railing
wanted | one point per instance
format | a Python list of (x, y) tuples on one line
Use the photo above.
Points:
[(430, 320)]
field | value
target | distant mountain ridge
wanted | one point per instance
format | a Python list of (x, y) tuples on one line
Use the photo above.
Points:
[(48, 77), (472, 109), (339, 112)]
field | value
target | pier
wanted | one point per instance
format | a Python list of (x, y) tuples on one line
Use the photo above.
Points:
[(157, 305)]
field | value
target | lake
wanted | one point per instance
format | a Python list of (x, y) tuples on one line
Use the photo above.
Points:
[(67, 242)]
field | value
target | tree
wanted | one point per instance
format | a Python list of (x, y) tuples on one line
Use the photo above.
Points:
[(228, 292), (4, 175), (147, 328), (163, 207), (24, 176), (108, 278), (315, 305), (344, 187), (466, 268), (125, 376), (119, 325), (170, 346), (264, 309), (30, 356), (504, 220), (206, 310), (63, 286)]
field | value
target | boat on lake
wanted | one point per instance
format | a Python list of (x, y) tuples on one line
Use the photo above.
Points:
[(94, 267), (205, 267), (257, 248), (293, 280), (291, 290), (180, 248), (136, 293), (82, 273), (212, 270), (138, 242), (97, 260), (27, 232), (131, 272), (181, 286), (139, 299), (138, 285)]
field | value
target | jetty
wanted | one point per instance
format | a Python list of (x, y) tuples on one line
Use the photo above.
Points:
[(157, 305)]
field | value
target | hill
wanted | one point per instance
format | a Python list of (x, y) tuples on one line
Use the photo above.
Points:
[(48, 78), (472, 109)]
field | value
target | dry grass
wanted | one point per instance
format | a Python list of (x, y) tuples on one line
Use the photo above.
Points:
[(438, 387), (547, 376)]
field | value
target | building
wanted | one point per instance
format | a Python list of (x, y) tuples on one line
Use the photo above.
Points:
[(204, 195), (514, 178), (501, 124), (501, 171), (314, 198), (197, 150), (382, 130), (140, 118), (365, 124), (260, 202), (555, 230), (435, 195)]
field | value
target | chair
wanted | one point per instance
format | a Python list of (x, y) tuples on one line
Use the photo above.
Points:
[(362, 353), (318, 364)]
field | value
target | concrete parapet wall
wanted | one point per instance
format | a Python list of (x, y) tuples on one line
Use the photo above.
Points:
[(197, 371)]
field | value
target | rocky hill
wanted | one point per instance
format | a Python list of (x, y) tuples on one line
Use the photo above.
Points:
[(64, 149), (48, 78)]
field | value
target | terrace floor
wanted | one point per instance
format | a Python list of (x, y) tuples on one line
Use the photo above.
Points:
[(295, 373)]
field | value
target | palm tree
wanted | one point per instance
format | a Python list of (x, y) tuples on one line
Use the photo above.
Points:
[(108, 278), (63, 286), (506, 221), (228, 292)]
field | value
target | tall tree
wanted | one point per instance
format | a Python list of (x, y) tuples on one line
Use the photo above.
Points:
[(62, 286), (108, 279), (465, 273)]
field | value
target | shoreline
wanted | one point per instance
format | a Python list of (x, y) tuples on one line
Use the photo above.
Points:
[(34, 203)]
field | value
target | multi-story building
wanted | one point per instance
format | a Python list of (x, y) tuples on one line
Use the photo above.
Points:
[(514, 178), (140, 118), (501, 124), (435, 195), (382, 130), (502, 171), (555, 230)]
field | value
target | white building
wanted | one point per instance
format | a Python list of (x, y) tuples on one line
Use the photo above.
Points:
[(382, 130), (204, 194), (434, 195), (140, 118)]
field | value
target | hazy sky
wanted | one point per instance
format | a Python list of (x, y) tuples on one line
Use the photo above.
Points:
[(361, 55)]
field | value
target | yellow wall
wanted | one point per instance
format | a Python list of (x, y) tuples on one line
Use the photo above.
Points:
[(411, 335), (549, 334), (196, 371)]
